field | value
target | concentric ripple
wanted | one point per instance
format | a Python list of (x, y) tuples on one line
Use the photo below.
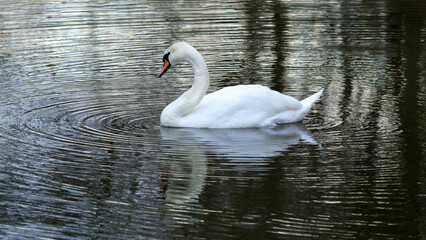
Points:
[(118, 121)]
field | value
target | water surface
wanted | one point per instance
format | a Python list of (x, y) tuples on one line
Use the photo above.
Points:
[(82, 154)]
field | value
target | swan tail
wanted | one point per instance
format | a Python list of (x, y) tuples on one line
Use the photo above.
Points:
[(291, 116), (309, 101)]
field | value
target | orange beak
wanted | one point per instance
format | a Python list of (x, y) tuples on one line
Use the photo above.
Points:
[(166, 67)]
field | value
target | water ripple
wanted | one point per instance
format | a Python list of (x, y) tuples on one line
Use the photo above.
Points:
[(82, 154), (88, 122)]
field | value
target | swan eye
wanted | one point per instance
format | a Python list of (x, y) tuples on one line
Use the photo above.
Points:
[(166, 57), (166, 65)]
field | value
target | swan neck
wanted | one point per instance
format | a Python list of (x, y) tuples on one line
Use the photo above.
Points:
[(201, 77), (188, 101), (198, 90)]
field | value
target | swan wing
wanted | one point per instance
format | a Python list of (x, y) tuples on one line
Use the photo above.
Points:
[(242, 105)]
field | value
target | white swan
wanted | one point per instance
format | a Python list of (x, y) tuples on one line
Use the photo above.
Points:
[(241, 106)]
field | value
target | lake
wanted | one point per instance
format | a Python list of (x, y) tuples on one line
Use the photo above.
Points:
[(83, 155)]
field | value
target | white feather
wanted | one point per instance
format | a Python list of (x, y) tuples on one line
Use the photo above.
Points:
[(241, 106)]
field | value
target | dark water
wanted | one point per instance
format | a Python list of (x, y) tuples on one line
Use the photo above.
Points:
[(82, 155)]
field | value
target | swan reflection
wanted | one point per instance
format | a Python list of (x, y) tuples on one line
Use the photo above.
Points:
[(191, 147)]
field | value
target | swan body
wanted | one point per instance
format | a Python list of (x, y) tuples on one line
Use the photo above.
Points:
[(241, 106)]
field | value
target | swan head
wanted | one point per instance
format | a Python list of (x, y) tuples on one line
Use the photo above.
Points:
[(175, 54)]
